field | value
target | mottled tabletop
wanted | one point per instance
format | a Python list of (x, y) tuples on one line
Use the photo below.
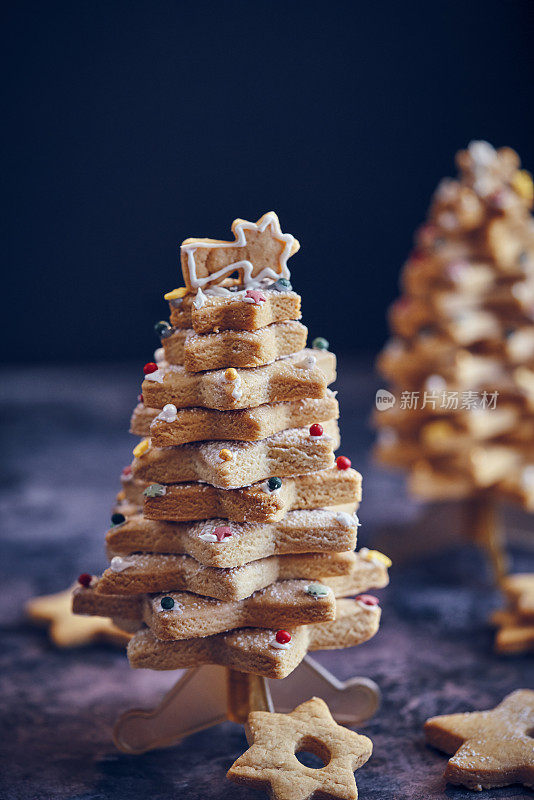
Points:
[(65, 441)]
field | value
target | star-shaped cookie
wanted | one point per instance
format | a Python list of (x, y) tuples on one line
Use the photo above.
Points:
[(491, 748), (270, 762), (519, 589), (515, 634), (72, 630)]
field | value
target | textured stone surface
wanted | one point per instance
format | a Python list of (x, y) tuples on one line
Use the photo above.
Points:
[(64, 444)]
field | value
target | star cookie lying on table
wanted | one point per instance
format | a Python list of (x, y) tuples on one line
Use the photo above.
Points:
[(270, 762), (491, 748), (66, 629)]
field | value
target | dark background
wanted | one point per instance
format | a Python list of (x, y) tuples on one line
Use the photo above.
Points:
[(132, 125)]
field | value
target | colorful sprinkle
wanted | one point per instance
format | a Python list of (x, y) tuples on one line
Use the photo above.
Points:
[(150, 367), (231, 374), (85, 579), (176, 294), (127, 471), (274, 484), (282, 285), (375, 555), (317, 590), (140, 398), (283, 637), (222, 532), (254, 296), (155, 490), (140, 449), (167, 603), (117, 519), (169, 413), (342, 462), (320, 343), (308, 362), (367, 599), (225, 454), (163, 329), (522, 183), (316, 430)]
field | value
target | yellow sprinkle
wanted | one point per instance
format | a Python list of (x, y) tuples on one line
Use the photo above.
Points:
[(438, 432), (120, 497), (226, 455), (378, 556), (231, 374), (522, 183), (176, 294), (141, 448)]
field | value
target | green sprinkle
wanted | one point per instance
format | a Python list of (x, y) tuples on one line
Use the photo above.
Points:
[(167, 603), (117, 519), (320, 343), (274, 484), (155, 490), (317, 590)]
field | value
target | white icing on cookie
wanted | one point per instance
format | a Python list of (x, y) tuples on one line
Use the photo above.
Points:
[(347, 520), (118, 564), (268, 220)]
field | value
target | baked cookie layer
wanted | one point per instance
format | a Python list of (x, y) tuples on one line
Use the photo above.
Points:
[(248, 425), (317, 531), (237, 313), (233, 465), (256, 503), (305, 374), (207, 351), (145, 574), (254, 650)]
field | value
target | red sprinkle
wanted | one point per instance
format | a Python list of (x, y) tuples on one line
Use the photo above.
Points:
[(316, 429), (150, 367), (127, 471), (283, 637), (140, 398), (222, 532), (342, 462), (256, 295), (85, 579), (368, 599)]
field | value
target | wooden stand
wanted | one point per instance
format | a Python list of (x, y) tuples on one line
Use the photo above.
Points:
[(205, 696)]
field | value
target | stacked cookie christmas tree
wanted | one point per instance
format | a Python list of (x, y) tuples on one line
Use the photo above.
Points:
[(233, 539), (461, 359)]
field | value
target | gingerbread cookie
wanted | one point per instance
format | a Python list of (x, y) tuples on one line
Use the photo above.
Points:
[(232, 465), (514, 635), (267, 652), (259, 251), (491, 748), (139, 574), (270, 762), (174, 426), (267, 501), (224, 544), (209, 351), (182, 615), (246, 310), (519, 589), (68, 630), (306, 374)]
